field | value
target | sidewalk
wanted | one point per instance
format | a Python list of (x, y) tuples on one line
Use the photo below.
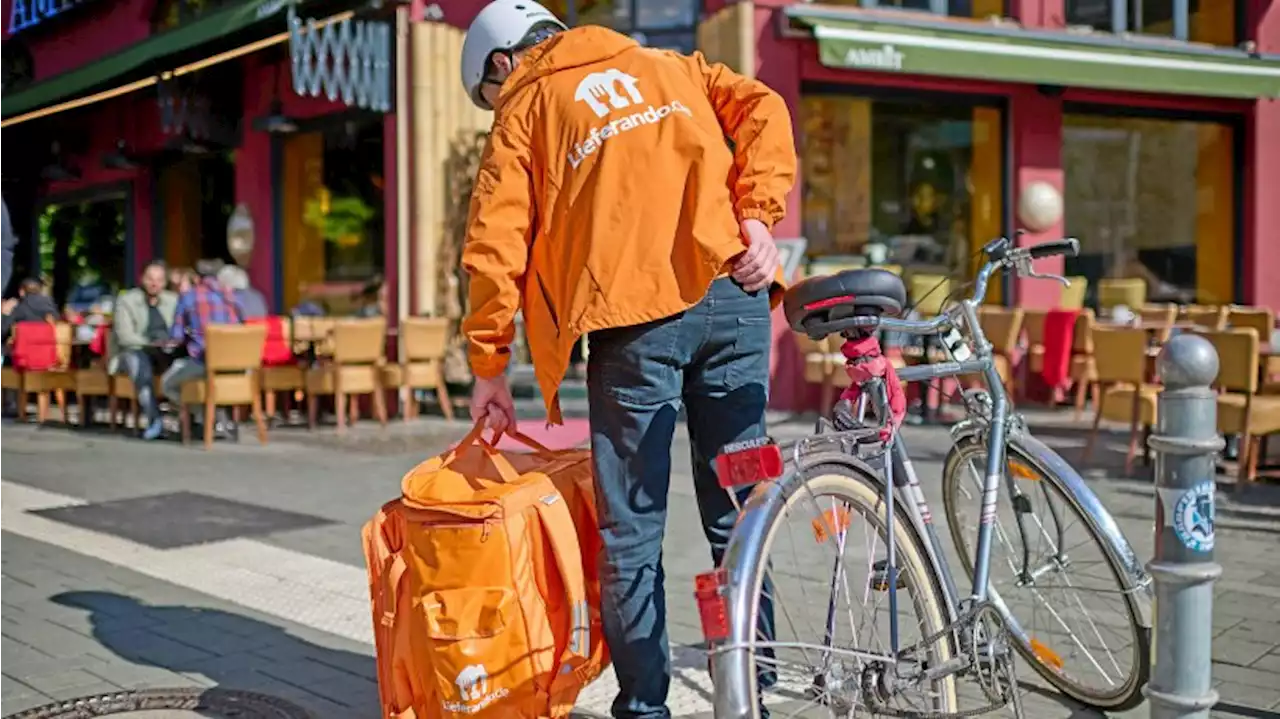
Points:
[(110, 582)]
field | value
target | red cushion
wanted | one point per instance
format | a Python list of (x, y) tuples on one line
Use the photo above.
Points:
[(98, 345), (35, 346), (275, 349), (1059, 336)]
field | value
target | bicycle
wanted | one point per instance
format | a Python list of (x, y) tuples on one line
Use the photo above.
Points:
[(846, 468)]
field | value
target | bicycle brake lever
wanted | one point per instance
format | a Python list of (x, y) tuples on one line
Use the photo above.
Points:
[(1025, 268)]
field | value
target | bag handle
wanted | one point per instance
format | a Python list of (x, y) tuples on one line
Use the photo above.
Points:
[(505, 469)]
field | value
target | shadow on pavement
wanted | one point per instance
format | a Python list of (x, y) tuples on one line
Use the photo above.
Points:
[(233, 651)]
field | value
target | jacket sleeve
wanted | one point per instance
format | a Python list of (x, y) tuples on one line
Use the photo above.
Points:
[(128, 333), (757, 121), (496, 253)]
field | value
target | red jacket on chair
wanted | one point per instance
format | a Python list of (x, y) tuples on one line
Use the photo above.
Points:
[(35, 346)]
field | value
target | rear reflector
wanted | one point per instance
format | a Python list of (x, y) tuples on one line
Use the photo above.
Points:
[(749, 462), (711, 592)]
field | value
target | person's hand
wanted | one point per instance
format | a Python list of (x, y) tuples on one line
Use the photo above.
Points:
[(491, 401), (755, 268), (9, 304)]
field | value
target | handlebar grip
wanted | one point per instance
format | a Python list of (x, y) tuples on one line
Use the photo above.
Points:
[(1068, 246)]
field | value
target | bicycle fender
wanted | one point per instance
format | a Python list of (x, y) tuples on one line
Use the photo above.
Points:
[(1073, 484), (744, 561)]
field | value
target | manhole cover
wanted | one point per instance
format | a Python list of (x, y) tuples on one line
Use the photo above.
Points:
[(187, 703)]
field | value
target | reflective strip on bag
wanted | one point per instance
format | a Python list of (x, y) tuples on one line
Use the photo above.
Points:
[(580, 633)]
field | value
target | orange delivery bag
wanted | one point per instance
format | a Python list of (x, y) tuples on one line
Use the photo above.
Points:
[(486, 601)]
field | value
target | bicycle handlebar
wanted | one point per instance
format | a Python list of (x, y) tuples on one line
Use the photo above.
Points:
[(1002, 255)]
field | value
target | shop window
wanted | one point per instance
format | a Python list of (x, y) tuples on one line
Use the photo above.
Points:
[(1152, 199), (334, 220), (169, 14), (954, 8), (1208, 21), (914, 184), (18, 69), (669, 24), (83, 246)]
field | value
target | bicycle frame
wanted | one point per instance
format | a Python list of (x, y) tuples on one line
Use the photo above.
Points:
[(744, 561)]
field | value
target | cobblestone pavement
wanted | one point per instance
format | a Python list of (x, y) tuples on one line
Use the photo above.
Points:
[(109, 583)]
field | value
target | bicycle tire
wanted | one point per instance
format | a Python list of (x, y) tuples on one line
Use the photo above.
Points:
[(858, 486), (1129, 694)]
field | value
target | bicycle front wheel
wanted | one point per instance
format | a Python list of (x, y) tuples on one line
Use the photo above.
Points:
[(827, 584), (1078, 620)]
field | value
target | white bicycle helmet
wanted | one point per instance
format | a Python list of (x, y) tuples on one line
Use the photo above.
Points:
[(501, 25)]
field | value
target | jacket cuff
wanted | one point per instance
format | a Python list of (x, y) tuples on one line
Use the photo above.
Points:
[(488, 366), (755, 213)]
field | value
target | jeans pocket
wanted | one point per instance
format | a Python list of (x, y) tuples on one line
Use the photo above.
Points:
[(751, 350), (636, 364)]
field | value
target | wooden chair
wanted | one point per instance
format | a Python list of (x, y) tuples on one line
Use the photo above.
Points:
[(1161, 315), (57, 380), (929, 293), (1003, 328), (313, 333), (95, 381), (1262, 319), (1084, 373), (822, 367), (1241, 410), (280, 375), (425, 341), (1120, 358), (359, 354), (232, 358), (1074, 294), (1129, 291), (1207, 317)]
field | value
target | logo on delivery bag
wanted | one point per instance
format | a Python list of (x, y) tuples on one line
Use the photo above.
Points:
[(473, 689)]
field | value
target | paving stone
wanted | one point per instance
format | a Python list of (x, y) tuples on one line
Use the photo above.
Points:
[(1239, 651), (1268, 663), (1235, 694), (57, 684)]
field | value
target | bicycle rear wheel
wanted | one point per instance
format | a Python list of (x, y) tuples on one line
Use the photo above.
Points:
[(1078, 621), (830, 602)]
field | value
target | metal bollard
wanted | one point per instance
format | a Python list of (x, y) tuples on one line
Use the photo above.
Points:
[(1186, 441)]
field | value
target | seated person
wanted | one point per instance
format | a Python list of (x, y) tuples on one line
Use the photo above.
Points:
[(252, 304), (32, 305), (139, 345), (206, 303)]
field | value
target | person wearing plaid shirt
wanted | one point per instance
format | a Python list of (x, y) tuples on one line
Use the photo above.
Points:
[(206, 303)]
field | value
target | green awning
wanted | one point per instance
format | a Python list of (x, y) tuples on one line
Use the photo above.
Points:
[(848, 39), (94, 75)]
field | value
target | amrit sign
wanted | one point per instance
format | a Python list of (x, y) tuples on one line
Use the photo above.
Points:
[(27, 14)]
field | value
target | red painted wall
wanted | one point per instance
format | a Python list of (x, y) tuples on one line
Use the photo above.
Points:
[(85, 33), (1262, 174), (134, 118)]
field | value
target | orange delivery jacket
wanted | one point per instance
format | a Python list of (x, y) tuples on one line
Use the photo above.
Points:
[(608, 195)]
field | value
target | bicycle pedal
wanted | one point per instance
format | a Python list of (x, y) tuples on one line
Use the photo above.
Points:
[(879, 580)]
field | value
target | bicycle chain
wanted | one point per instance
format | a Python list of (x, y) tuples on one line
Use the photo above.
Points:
[(997, 702)]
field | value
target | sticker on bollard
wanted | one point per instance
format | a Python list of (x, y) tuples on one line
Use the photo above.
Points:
[(1193, 518)]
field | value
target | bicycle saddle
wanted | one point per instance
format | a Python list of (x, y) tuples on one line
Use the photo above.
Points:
[(868, 291)]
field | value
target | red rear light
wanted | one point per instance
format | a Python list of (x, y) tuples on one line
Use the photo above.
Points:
[(711, 591), (749, 462)]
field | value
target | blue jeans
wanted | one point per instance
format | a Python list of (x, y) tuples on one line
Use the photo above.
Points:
[(713, 359)]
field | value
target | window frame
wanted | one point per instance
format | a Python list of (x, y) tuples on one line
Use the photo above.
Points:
[(634, 27), (950, 99), (1120, 12), (1238, 126)]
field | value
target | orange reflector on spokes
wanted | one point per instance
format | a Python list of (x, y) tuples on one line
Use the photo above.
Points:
[(831, 522), (1022, 471), (1045, 655)]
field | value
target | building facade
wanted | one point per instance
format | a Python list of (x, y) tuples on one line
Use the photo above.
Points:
[(921, 123), (139, 128)]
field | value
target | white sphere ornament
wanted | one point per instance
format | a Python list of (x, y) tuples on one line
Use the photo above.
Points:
[(1039, 206)]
